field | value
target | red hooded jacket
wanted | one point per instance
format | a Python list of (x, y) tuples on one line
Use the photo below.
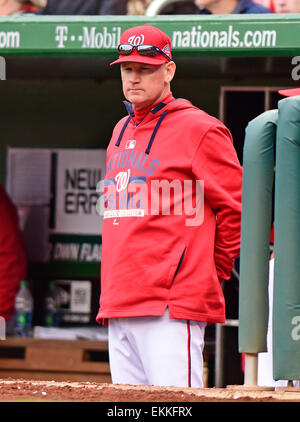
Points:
[(13, 260), (154, 257)]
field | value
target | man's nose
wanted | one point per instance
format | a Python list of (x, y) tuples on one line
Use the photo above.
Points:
[(134, 76)]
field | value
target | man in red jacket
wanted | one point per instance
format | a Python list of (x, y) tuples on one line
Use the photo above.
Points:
[(13, 260), (171, 222)]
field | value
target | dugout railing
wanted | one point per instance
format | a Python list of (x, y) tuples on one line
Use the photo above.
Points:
[(272, 143)]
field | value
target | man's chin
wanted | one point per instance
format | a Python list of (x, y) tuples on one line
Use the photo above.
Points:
[(138, 103)]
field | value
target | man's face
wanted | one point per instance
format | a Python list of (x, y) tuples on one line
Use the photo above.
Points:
[(287, 6), (144, 84)]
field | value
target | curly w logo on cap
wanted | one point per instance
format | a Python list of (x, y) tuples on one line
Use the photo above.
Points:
[(136, 39), (144, 44)]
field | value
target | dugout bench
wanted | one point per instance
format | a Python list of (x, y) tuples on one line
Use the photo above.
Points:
[(58, 360)]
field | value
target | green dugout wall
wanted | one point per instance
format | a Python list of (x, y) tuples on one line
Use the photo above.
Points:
[(60, 91)]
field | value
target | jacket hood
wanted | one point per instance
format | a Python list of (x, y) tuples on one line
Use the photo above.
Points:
[(160, 110)]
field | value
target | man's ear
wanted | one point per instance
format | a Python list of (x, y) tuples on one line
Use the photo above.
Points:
[(170, 71)]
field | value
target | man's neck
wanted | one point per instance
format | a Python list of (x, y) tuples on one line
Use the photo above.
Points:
[(222, 7), (141, 113)]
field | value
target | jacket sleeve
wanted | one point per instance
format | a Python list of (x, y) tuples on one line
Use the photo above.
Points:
[(216, 163), (13, 260)]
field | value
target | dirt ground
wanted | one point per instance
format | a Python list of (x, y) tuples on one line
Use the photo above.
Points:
[(25, 390)]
